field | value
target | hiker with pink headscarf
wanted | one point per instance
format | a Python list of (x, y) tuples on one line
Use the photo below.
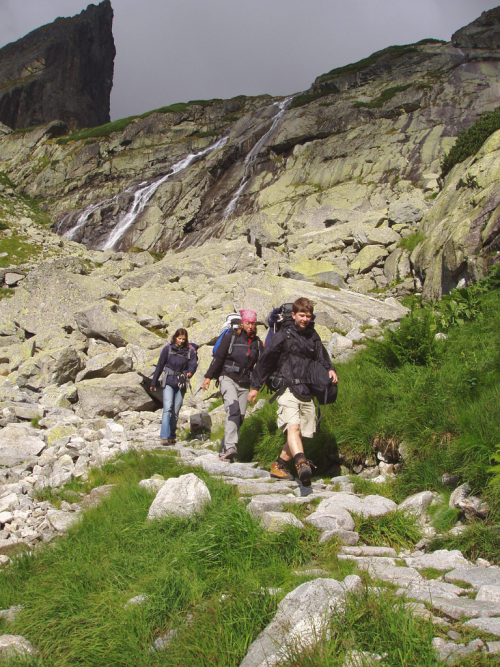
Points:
[(233, 363)]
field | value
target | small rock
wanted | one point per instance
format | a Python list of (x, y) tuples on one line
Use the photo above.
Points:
[(417, 503), (180, 496), (490, 625), (459, 495), (15, 646), (138, 599), (361, 659), (493, 647), (348, 537), (152, 485), (278, 521)]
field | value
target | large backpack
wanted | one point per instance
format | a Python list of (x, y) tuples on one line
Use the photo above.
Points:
[(231, 324), (279, 318)]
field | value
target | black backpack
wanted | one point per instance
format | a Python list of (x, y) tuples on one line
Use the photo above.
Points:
[(279, 318), (320, 384)]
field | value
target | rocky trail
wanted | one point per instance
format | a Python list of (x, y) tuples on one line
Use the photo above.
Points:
[(443, 587)]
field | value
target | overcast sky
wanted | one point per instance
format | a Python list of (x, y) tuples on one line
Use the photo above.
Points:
[(178, 50)]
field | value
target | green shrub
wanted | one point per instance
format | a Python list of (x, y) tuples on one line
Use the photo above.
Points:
[(461, 306), (384, 97), (470, 141), (413, 342), (411, 242), (307, 98), (353, 68)]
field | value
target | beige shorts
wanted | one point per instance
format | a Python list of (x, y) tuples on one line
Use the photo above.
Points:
[(293, 410)]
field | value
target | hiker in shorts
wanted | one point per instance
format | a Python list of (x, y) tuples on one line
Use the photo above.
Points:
[(177, 363), (288, 355), (232, 364)]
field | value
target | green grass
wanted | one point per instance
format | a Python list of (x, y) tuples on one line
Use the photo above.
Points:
[(396, 529), (393, 52), (307, 98), (73, 592), (6, 292), (18, 249), (411, 242), (119, 125), (443, 516), (470, 141), (384, 97)]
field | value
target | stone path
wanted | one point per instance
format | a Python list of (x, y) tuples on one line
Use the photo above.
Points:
[(328, 506)]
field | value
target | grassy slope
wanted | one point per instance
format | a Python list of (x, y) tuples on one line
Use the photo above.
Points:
[(73, 593)]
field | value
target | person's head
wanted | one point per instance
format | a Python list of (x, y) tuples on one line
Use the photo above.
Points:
[(180, 338), (248, 321), (302, 312)]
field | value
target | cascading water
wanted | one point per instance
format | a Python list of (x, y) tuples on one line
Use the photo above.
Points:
[(142, 194), (252, 157)]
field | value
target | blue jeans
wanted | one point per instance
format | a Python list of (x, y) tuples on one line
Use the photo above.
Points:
[(172, 402)]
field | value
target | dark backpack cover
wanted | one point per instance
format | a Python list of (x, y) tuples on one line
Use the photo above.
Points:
[(320, 384)]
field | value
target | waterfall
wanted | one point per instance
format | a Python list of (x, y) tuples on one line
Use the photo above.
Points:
[(142, 194), (252, 157)]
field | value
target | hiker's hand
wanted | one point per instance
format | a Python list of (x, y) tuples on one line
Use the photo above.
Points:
[(206, 384), (252, 395), (152, 389), (189, 375), (334, 377)]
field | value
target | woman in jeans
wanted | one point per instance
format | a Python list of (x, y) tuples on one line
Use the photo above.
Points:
[(233, 363), (178, 361)]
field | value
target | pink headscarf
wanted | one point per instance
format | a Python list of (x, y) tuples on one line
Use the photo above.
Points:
[(248, 315)]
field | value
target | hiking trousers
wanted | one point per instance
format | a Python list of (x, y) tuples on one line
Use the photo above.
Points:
[(172, 402), (235, 404)]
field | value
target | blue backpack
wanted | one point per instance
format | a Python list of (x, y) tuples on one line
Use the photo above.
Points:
[(233, 321)]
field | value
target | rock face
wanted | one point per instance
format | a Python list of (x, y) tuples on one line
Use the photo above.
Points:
[(483, 33), (60, 71)]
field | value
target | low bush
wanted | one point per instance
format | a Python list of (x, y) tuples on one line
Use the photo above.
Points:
[(384, 97), (470, 141), (413, 342), (411, 242)]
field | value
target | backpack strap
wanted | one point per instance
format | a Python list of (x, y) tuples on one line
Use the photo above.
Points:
[(231, 344)]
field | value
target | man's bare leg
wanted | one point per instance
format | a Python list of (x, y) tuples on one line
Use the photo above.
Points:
[(293, 444)]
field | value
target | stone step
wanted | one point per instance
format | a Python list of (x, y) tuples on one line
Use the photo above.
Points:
[(368, 551)]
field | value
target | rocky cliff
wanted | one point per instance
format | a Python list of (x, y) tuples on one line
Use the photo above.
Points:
[(61, 71), (328, 184)]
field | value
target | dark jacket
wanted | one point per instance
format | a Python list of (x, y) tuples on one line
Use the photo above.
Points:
[(178, 359), (239, 364), (289, 353)]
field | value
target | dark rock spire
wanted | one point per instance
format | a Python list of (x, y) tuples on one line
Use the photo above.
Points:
[(63, 70)]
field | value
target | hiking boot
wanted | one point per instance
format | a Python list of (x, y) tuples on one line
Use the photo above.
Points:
[(229, 454), (303, 467), (279, 471), (165, 442)]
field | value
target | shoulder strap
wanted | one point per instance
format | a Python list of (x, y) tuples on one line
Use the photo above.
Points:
[(231, 344)]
